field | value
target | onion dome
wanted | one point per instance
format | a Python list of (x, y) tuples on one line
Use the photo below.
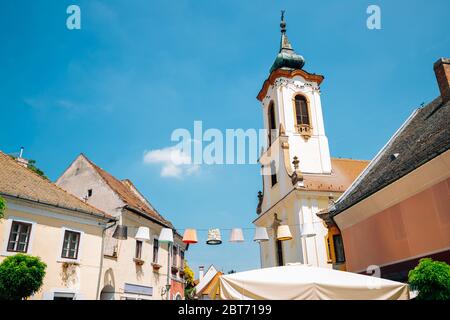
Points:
[(286, 58)]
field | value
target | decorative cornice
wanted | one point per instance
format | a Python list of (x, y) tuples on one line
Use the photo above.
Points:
[(317, 78)]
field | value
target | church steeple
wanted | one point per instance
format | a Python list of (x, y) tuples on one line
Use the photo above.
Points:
[(285, 45), (286, 58)]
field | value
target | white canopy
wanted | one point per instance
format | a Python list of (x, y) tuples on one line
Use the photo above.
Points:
[(300, 282)]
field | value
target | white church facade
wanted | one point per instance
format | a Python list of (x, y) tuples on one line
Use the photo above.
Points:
[(300, 178)]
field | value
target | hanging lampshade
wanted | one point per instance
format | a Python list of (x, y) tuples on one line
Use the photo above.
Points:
[(308, 230), (284, 233), (166, 235), (236, 235), (214, 237), (261, 234), (121, 232), (190, 236), (143, 234)]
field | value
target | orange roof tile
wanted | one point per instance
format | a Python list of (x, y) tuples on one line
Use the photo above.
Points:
[(18, 181), (344, 172)]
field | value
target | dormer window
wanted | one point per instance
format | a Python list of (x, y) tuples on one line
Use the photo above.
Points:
[(302, 118)]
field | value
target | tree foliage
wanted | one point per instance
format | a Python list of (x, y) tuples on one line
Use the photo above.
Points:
[(189, 289), (2, 207), (32, 167), (21, 276), (431, 279)]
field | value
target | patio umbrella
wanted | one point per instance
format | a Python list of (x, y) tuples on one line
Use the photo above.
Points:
[(301, 282)]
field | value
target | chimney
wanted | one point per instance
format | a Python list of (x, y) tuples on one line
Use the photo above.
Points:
[(21, 160), (442, 72), (201, 272)]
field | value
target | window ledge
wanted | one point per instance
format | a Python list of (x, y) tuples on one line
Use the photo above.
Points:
[(138, 261), (304, 130), (156, 266), (68, 261)]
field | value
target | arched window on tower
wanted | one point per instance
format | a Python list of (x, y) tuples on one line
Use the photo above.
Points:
[(272, 123), (302, 119), (273, 173)]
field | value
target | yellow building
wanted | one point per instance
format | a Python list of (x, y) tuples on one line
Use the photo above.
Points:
[(45, 221), (300, 178)]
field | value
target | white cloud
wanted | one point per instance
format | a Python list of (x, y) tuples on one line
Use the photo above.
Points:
[(175, 163)]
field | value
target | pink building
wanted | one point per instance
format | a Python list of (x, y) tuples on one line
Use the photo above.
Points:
[(398, 210)]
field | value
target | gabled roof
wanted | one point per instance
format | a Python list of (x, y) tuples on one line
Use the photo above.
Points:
[(207, 278), (129, 194), (211, 286), (19, 182), (424, 136)]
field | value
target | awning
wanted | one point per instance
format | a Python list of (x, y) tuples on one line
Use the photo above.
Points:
[(300, 282)]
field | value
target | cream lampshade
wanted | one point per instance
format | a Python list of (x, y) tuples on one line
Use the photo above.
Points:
[(166, 235), (143, 234), (190, 236), (214, 237), (261, 234), (284, 233), (236, 235), (308, 230)]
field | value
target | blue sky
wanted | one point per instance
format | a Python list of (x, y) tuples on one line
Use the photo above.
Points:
[(139, 69)]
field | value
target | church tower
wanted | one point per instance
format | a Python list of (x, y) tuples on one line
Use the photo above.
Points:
[(299, 176), (290, 100)]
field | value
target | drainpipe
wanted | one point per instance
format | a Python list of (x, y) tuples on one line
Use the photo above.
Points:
[(169, 247), (97, 296)]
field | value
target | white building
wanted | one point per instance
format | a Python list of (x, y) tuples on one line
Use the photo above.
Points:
[(132, 268), (299, 176)]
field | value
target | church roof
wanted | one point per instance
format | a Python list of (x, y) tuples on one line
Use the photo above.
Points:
[(286, 58), (344, 172), (20, 182), (424, 136)]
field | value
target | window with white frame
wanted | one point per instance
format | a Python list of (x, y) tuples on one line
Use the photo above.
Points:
[(182, 259), (155, 250), (19, 237), (71, 245), (138, 251), (174, 256)]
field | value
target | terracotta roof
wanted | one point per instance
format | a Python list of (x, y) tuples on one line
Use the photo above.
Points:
[(344, 172), (20, 182), (425, 136), (124, 189)]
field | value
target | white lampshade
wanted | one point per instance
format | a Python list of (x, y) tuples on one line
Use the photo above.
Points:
[(284, 233), (308, 230), (236, 235), (166, 235), (214, 237), (143, 234), (261, 234)]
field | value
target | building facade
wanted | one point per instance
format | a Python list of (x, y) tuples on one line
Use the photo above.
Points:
[(300, 178), (45, 221), (133, 268), (398, 210)]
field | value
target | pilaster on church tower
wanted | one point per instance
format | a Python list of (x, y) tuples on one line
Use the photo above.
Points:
[(290, 98)]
